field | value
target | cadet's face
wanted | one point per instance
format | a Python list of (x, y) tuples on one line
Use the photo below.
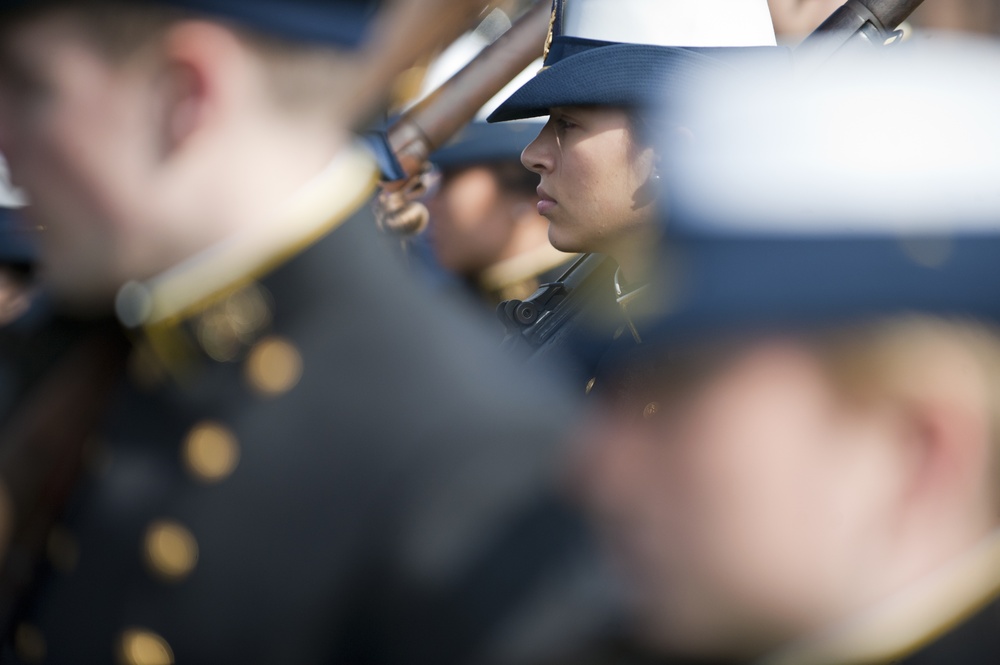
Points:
[(72, 129), (738, 511), (470, 225), (590, 174)]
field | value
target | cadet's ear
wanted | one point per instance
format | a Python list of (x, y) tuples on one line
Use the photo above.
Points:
[(944, 450), (202, 70)]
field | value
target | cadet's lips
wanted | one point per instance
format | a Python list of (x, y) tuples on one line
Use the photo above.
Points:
[(545, 202)]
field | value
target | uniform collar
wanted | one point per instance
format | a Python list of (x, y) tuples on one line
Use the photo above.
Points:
[(190, 287), (908, 621), (628, 297)]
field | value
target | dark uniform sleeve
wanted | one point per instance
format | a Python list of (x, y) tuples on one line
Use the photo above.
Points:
[(480, 559)]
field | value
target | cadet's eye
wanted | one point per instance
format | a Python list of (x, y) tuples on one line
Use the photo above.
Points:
[(563, 124)]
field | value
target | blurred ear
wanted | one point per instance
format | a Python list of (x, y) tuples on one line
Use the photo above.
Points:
[(201, 72), (944, 452)]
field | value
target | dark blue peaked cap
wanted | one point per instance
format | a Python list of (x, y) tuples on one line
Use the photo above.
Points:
[(482, 143), (583, 71), (609, 74), (871, 190), (334, 22)]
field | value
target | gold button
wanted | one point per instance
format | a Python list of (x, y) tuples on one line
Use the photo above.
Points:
[(590, 385), (29, 643), (141, 647), (171, 552), (227, 328), (651, 410), (274, 367), (63, 550), (211, 452)]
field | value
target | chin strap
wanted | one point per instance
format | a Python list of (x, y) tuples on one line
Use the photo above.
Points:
[(627, 300)]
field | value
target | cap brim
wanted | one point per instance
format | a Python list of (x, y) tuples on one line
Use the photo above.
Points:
[(624, 75), (480, 143)]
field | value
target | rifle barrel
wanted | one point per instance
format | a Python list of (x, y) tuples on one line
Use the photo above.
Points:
[(430, 124)]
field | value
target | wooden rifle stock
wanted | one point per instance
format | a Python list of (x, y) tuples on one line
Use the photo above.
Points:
[(430, 124), (44, 449)]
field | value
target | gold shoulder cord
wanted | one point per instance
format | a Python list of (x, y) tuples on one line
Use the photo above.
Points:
[(159, 305)]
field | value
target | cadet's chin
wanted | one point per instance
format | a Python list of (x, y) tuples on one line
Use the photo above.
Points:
[(563, 241)]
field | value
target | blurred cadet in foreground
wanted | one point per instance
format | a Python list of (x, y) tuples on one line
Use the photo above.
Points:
[(608, 64), (297, 455), (807, 464), (484, 224)]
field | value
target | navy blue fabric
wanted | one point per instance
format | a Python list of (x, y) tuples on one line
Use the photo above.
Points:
[(482, 143), (17, 244), (378, 143), (620, 75), (564, 47), (720, 285), (334, 22)]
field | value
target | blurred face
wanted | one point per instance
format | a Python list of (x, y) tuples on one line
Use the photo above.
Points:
[(592, 178), (741, 511), (77, 135), (471, 220)]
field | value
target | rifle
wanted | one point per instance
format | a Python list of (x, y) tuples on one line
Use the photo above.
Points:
[(432, 123), (537, 319), (870, 23), (45, 446)]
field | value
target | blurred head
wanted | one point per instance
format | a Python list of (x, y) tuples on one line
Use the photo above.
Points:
[(822, 379), (598, 178), (777, 485), (142, 133), (482, 214), (117, 120)]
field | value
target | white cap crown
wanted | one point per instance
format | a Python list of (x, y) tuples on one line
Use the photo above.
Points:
[(685, 23)]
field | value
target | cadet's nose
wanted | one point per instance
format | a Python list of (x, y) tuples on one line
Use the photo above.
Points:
[(536, 157)]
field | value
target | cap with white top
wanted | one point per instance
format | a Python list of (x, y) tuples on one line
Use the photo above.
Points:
[(629, 52), (871, 189)]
